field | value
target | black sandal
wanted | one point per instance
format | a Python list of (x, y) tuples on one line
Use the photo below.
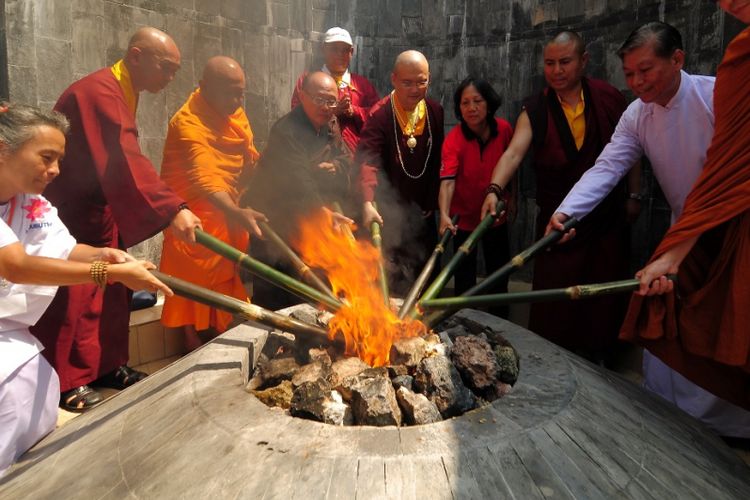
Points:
[(121, 378), (80, 399)]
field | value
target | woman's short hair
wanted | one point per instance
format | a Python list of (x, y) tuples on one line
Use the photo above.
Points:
[(17, 123), (665, 37), (485, 90)]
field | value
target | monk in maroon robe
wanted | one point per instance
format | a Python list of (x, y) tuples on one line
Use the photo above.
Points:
[(566, 126), (704, 333), (107, 194), (399, 159)]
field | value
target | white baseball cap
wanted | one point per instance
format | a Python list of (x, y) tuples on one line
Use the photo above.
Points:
[(337, 34)]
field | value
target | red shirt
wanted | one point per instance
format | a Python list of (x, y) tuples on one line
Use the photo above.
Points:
[(471, 167)]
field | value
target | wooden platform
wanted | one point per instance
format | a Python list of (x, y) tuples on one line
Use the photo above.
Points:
[(568, 430)]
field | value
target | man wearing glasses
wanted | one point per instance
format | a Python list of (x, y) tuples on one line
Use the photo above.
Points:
[(399, 158), (356, 95), (305, 166)]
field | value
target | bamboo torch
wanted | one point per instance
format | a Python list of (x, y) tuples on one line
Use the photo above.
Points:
[(302, 269), (574, 292), (266, 272), (416, 288), (465, 249), (511, 266), (377, 241), (245, 309)]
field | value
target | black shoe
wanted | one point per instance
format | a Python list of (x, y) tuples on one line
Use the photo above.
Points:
[(121, 378), (80, 399)]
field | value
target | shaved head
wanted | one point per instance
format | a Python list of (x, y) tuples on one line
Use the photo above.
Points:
[(410, 78), (152, 59), (411, 58), (223, 84), (566, 37), (318, 97)]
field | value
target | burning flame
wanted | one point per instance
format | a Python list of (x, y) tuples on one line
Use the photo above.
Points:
[(367, 324)]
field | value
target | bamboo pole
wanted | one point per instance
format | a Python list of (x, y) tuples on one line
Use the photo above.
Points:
[(245, 309), (416, 288), (302, 269), (465, 249), (377, 242), (510, 267), (575, 292), (266, 272)]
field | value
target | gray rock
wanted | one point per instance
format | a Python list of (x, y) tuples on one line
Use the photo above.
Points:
[(396, 370), (473, 358), (310, 373), (336, 412), (320, 355), (403, 381), (417, 409), (346, 387), (346, 367), (279, 344), (374, 403), (279, 396), (309, 400), (275, 370), (408, 352), (438, 379), (508, 363)]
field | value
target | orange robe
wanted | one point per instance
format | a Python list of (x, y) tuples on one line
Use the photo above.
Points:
[(705, 334), (205, 153)]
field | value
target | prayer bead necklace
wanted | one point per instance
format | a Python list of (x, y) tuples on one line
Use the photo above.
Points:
[(398, 148)]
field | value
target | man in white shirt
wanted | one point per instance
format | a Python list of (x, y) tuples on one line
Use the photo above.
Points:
[(672, 123)]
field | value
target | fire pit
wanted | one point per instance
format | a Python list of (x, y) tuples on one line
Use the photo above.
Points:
[(567, 429)]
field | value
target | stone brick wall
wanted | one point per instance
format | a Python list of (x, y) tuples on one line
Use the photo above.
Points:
[(52, 42)]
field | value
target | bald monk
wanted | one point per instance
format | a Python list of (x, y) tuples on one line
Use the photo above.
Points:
[(209, 147), (305, 166), (566, 125), (108, 194), (399, 159)]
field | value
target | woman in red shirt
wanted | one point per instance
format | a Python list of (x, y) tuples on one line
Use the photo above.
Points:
[(470, 152)]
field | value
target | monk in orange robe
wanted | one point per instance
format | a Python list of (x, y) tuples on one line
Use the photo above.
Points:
[(209, 147), (704, 333)]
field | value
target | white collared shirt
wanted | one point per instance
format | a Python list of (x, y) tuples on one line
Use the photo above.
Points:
[(37, 227), (674, 137)]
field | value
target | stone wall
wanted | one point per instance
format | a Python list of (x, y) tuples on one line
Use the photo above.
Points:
[(52, 42)]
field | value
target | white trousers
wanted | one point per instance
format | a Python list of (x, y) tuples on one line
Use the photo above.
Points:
[(718, 414), (28, 408)]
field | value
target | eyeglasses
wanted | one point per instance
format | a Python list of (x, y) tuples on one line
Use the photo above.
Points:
[(320, 101), (409, 84)]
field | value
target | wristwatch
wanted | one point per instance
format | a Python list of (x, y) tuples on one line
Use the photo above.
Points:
[(635, 196)]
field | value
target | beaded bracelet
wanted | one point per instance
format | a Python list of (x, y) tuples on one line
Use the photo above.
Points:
[(497, 190), (98, 273)]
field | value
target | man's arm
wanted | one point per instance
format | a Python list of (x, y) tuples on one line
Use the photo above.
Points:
[(371, 144), (509, 161)]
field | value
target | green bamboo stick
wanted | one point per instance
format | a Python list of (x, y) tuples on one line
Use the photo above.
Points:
[(416, 288), (266, 272), (465, 249), (377, 241), (302, 269), (574, 292), (510, 267), (245, 309)]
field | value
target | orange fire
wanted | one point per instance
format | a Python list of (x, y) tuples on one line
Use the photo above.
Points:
[(367, 324)]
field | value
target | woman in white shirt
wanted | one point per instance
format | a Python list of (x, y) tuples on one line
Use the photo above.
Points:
[(36, 255)]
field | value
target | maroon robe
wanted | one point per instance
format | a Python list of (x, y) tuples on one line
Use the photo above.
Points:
[(406, 204), (109, 195), (599, 252)]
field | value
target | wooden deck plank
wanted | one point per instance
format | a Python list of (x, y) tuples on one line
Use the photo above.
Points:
[(544, 476), (343, 482), (370, 479)]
